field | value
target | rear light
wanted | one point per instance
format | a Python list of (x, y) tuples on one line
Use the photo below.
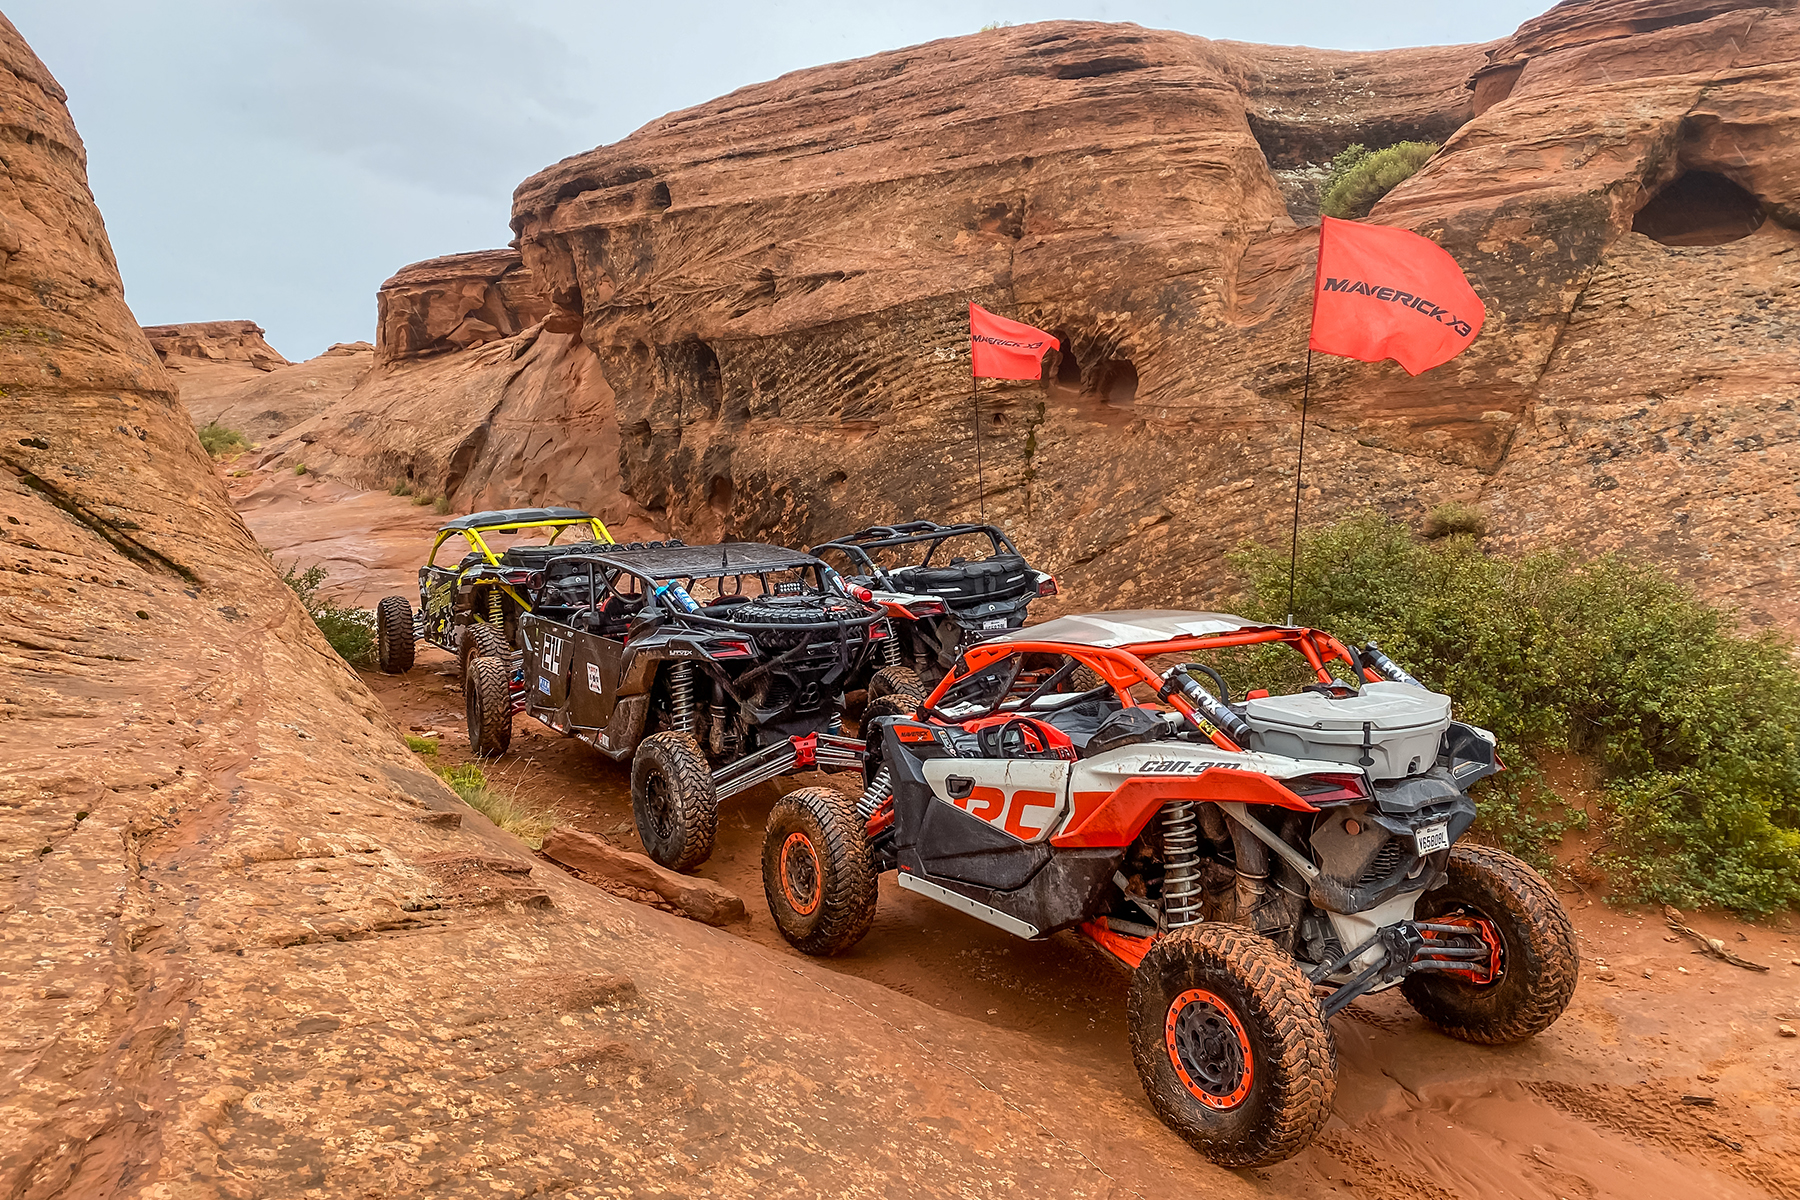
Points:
[(1257, 694), (729, 649), (879, 630), (862, 593), (1321, 789), (1048, 586), (927, 608), (515, 577)]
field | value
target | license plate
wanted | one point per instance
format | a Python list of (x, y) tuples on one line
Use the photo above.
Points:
[(1432, 837), (994, 623)]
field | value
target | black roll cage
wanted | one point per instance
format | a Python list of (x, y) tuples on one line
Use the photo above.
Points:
[(856, 546)]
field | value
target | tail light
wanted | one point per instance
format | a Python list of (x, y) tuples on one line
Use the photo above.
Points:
[(927, 608), (1325, 789), (879, 630), (515, 577), (1048, 586), (728, 649)]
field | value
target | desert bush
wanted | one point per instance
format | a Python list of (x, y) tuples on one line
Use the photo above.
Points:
[(1359, 176), (519, 818), (220, 442), (1694, 724), (423, 498), (299, 468), (441, 506), (400, 488), (351, 631), (421, 745), (1455, 519)]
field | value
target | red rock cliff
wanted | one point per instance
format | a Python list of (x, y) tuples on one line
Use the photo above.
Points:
[(774, 283)]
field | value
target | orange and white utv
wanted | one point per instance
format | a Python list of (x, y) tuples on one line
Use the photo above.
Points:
[(1260, 861)]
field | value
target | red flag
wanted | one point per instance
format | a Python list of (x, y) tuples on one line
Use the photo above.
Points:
[(1383, 292), (1004, 349)]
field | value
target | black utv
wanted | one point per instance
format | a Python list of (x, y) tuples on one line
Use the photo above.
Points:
[(944, 587), (683, 658)]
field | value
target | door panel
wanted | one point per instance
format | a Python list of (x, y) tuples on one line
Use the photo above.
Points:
[(1024, 798)]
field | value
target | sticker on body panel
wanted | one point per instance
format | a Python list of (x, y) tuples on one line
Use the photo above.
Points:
[(593, 678), (1026, 799)]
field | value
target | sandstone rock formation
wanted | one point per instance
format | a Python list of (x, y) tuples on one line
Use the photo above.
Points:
[(249, 948), (225, 372), (454, 303), (773, 284)]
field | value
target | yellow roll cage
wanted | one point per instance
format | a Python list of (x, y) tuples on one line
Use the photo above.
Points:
[(480, 546)]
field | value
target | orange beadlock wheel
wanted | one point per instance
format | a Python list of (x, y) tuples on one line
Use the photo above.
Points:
[(800, 878), (1209, 1049)]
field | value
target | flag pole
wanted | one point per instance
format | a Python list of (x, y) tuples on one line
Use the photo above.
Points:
[(975, 402), (1299, 466)]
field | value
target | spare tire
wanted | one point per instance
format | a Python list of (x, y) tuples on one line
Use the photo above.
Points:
[(795, 610)]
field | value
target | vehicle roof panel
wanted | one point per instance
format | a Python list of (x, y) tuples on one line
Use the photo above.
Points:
[(681, 562), (1129, 628), (513, 516)]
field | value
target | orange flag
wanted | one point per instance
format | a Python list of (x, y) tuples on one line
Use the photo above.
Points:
[(1004, 349), (1383, 292)]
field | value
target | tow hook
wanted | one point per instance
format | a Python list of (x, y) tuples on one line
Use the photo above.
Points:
[(1463, 944)]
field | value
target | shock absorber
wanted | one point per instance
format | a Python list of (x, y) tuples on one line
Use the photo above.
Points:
[(496, 609), (890, 647), (874, 794), (1181, 865), (681, 697)]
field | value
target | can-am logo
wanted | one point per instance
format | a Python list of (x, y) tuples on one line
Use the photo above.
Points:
[(1443, 316), (1173, 766)]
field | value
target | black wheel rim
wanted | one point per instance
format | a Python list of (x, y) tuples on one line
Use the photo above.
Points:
[(659, 800), (1209, 1049)]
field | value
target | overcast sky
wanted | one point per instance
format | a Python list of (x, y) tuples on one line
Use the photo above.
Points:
[(277, 160)]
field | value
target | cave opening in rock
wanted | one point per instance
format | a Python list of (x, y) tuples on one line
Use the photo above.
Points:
[(659, 197), (1068, 367), (1119, 382), (1699, 208), (708, 381), (721, 494)]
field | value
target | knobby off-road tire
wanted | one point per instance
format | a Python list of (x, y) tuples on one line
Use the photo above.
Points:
[(896, 681), (673, 800), (817, 876), (1539, 960), (1229, 1044), (894, 704), (394, 635), (476, 640), (487, 698)]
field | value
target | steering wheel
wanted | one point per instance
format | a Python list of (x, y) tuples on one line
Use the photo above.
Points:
[(1021, 737)]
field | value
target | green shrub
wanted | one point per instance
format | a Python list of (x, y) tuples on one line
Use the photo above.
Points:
[(1694, 725), (351, 631), (1366, 176), (1455, 519), (421, 745), (299, 468), (220, 442), (423, 498), (523, 820), (441, 506)]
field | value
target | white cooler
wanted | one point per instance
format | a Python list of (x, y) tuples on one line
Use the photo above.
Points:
[(1396, 725)]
